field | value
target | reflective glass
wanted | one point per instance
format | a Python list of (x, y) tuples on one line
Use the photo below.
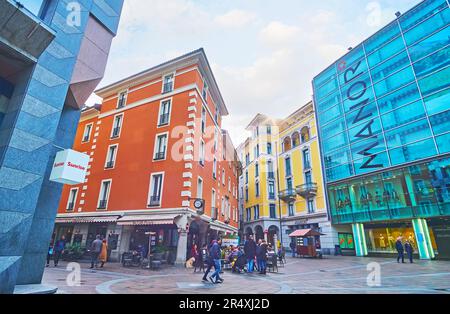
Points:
[(408, 133), (337, 157), (440, 122), (333, 128), (339, 172), (437, 102), (335, 142), (326, 89), (382, 37), (403, 115), (431, 25), (33, 6), (387, 51), (411, 152), (432, 63), (421, 12), (399, 98), (324, 76), (369, 164), (435, 82), (328, 101), (443, 143), (430, 44), (362, 114), (395, 81), (330, 114), (351, 72), (350, 58), (364, 131), (368, 147), (358, 91), (390, 66)]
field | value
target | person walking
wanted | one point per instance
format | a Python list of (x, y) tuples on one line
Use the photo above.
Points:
[(250, 253), (209, 262), (103, 253), (216, 254), (49, 254), (58, 250), (96, 248), (400, 250), (293, 248), (409, 251), (261, 256), (196, 254)]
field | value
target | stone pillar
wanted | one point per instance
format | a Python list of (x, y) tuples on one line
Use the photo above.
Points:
[(275, 242), (181, 248), (360, 239), (423, 239)]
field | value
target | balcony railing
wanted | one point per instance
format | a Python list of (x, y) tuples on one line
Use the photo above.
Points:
[(168, 87), (109, 165), (164, 119), (70, 206), (102, 204), (288, 195), (160, 156), (307, 190), (154, 201), (271, 196), (116, 132)]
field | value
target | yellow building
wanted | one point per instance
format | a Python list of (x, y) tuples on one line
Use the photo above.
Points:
[(282, 184)]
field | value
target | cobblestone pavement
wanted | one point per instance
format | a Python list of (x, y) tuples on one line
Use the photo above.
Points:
[(303, 276)]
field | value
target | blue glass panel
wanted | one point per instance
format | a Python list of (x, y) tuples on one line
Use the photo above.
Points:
[(365, 130), (362, 114), (351, 72), (324, 76), (387, 51), (368, 147), (440, 122), (435, 82), (437, 102), (329, 101), (429, 26), (350, 58), (430, 44), (408, 133), (330, 114), (33, 6), (335, 142), (399, 98), (382, 37), (377, 161), (415, 151), (339, 172), (403, 115), (356, 92), (421, 12), (432, 63), (443, 143), (326, 89), (392, 65), (333, 128), (337, 157), (395, 81)]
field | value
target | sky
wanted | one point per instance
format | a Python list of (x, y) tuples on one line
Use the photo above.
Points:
[(264, 53)]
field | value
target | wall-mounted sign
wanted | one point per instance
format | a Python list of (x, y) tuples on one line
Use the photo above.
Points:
[(69, 167)]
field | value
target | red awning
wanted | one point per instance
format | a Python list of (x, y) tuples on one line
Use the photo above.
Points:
[(80, 220), (305, 233)]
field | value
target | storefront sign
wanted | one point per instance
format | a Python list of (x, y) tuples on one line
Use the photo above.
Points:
[(69, 167), (230, 241)]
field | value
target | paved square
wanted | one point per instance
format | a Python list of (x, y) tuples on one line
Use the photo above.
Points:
[(303, 276)]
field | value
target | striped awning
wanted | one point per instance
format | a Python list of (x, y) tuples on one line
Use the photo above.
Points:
[(146, 220), (80, 220)]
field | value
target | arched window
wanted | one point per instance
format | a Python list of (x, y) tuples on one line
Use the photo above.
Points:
[(305, 134), (295, 139), (287, 145)]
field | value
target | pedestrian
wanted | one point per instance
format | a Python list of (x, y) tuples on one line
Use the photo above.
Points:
[(250, 253), (293, 248), (196, 254), (103, 253), (96, 248), (400, 250), (58, 250), (209, 262), (261, 256), (216, 255), (49, 254), (409, 251)]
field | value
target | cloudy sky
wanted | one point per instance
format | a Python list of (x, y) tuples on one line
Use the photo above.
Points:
[(264, 53)]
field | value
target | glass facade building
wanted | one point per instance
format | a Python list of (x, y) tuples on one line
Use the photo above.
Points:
[(384, 122)]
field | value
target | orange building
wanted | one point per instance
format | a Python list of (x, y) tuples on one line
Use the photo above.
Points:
[(159, 162)]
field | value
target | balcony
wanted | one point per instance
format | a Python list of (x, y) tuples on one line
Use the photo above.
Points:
[(160, 156), (307, 190), (164, 119), (102, 204), (116, 132), (288, 195), (154, 201)]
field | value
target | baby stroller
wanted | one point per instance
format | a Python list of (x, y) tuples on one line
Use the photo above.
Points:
[(239, 263)]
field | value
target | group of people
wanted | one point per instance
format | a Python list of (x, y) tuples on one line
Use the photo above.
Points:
[(402, 248), (258, 252), (98, 251)]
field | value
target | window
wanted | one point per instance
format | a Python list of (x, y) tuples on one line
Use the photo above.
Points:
[(160, 146), (87, 132), (288, 167), (122, 99), (203, 120), (111, 156), (291, 209), (289, 184), (246, 176), (256, 214), (271, 190), (216, 138), (273, 211), (256, 170), (229, 185), (270, 173), (223, 176), (164, 112), (269, 130), (72, 199), (215, 168), (155, 193), (308, 177), (247, 159), (306, 159), (117, 126), (269, 148), (104, 194), (168, 83), (205, 91), (249, 214), (202, 153), (213, 204), (216, 115), (256, 151), (257, 189), (311, 207), (246, 194), (200, 188)]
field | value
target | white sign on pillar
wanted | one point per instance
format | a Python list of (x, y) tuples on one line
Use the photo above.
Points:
[(69, 167)]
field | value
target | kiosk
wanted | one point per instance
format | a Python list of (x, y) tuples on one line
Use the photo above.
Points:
[(307, 243)]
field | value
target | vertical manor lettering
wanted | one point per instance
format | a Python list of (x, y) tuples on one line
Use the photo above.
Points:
[(357, 94)]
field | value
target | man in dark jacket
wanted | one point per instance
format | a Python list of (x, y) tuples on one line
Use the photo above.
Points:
[(58, 250), (293, 248), (409, 251), (96, 248), (400, 250), (261, 256), (216, 256), (250, 253)]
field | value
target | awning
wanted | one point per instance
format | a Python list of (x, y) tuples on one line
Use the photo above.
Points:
[(80, 220), (146, 220), (305, 233)]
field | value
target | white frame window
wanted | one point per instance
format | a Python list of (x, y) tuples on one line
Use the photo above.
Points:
[(103, 195), (122, 99), (200, 187), (229, 184), (215, 168), (205, 91), (165, 109), (223, 177), (72, 200), (213, 203), (257, 189), (155, 193), (311, 206), (203, 125), (87, 132), (160, 149), (168, 80), (117, 126), (111, 156), (201, 153)]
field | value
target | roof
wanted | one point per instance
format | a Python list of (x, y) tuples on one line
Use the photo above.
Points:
[(305, 233), (198, 55)]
